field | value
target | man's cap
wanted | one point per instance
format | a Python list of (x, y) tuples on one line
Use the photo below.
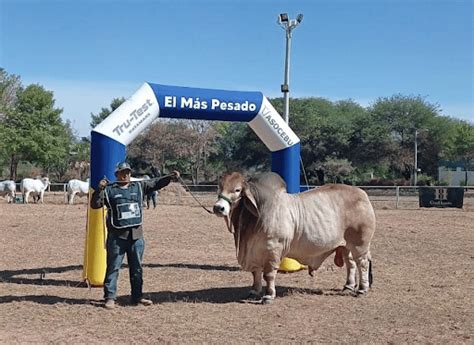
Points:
[(122, 166)]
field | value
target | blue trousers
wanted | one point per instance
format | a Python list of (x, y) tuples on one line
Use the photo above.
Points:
[(151, 196), (116, 250)]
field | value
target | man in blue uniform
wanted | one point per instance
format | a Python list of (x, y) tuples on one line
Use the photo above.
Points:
[(123, 200)]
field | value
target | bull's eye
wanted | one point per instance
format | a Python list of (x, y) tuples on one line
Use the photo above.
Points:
[(237, 190)]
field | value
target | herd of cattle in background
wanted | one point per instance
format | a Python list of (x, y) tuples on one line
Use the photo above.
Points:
[(36, 188)]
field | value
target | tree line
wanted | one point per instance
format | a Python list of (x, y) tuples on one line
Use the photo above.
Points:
[(341, 141)]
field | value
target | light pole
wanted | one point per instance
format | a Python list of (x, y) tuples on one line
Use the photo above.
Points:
[(288, 25), (415, 173)]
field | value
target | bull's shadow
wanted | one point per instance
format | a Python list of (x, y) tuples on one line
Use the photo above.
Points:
[(39, 276), (222, 295), (213, 295), (194, 267)]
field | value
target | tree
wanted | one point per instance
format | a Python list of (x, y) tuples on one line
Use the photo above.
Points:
[(325, 130), (104, 112), (34, 131), (238, 148), (174, 144), (337, 169), (9, 87), (400, 117), (461, 146)]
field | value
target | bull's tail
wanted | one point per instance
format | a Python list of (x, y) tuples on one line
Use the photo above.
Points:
[(371, 277), (338, 257)]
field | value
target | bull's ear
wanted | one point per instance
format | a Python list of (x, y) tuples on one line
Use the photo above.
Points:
[(249, 202)]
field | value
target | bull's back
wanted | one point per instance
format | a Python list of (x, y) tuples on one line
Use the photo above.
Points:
[(330, 211), (7, 186), (30, 185), (77, 186)]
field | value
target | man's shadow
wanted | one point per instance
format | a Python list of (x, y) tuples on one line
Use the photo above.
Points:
[(39, 276), (212, 295)]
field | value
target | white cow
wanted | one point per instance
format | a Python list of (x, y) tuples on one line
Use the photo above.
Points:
[(76, 187), (269, 224), (35, 186), (8, 189)]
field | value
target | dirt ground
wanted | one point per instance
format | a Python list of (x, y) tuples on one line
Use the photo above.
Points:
[(422, 292)]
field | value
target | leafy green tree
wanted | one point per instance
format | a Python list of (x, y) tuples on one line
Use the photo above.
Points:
[(461, 146), (104, 112), (337, 169), (239, 148), (185, 145), (325, 130), (34, 131), (400, 117)]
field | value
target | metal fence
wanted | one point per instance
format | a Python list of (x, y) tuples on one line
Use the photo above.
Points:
[(382, 197)]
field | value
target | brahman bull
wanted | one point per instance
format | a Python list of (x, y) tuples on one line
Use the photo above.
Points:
[(269, 224), (76, 187), (8, 189), (35, 186)]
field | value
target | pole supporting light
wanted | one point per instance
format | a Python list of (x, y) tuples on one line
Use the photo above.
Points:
[(288, 25)]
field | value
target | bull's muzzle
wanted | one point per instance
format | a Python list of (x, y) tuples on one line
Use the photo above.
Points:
[(222, 206), (218, 209)]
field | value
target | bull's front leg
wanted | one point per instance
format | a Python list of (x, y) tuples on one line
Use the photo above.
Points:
[(257, 285), (269, 274)]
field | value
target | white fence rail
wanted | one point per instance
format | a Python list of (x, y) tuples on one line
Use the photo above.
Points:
[(404, 197)]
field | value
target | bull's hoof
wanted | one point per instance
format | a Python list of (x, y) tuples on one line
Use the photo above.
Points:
[(253, 296), (267, 299), (362, 293), (348, 291)]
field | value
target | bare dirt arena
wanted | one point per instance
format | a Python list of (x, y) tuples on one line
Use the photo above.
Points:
[(422, 292)]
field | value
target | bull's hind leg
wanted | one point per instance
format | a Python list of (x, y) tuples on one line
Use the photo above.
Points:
[(269, 274), (364, 266), (351, 268), (257, 285)]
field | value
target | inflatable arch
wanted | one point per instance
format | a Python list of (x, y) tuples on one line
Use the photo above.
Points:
[(110, 138)]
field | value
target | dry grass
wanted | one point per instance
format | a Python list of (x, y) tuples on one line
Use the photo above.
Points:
[(422, 291)]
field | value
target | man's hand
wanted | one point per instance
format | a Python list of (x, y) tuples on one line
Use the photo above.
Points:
[(103, 183), (175, 174)]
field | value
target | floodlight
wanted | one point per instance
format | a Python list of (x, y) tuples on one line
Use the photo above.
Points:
[(288, 25), (283, 17)]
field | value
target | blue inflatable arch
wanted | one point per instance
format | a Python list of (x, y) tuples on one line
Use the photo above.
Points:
[(110, 138)]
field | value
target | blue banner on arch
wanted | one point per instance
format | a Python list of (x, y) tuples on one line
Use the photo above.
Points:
[(207, 104)]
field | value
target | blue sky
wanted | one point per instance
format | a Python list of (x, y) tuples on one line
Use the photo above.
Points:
[(88, 52)]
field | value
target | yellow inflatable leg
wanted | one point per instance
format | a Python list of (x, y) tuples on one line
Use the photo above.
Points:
[(95, 255), (289, 265)]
